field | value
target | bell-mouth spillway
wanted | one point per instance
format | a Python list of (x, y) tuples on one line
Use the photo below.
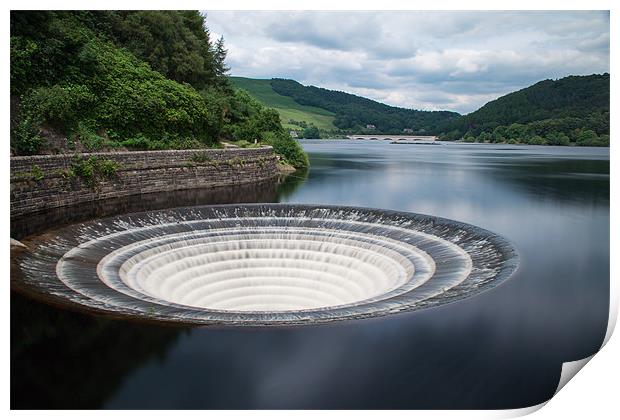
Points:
[(264, 264)]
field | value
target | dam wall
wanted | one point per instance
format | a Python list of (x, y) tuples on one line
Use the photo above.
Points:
[(49, 181)]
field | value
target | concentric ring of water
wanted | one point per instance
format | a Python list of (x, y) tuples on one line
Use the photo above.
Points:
[(266, 264)]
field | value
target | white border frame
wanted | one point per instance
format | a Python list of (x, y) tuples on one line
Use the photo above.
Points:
[(592, 394)]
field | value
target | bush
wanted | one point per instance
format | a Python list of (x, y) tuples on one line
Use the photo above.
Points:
[(37, 173), (285, 146), (104, 92), (557, 139), (311, 132), (166, 142), (93, 169), (536, 140), (60, 106), (22, 50), (25, 138), (588, 138), (136, 100)]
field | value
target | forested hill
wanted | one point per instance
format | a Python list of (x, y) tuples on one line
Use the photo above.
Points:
[(355, 112), (574, 109), (109, 80), (346, 112), (294, 116)]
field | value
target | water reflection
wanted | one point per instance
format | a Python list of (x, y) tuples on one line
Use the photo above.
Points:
[(501, 349), (290, 183), (62, 359)]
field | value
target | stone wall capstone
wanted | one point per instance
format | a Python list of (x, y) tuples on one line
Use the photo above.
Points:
[(42, 182)]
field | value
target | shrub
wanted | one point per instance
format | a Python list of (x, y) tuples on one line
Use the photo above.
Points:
[(22, 50), (60, 106), (536, 140), (92, 170), (108, 168), (137, 101), (557, 139), (37, 173), (165, 142), (288, 148), (25, 138)]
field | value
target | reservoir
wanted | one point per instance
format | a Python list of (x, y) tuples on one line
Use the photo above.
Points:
[(503, 348)]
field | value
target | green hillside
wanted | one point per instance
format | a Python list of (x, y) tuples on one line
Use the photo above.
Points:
[(574, 109), (332, 110), (355, 113), (291, 113), (569, 111)]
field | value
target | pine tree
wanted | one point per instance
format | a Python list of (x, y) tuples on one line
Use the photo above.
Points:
[(220, 53)]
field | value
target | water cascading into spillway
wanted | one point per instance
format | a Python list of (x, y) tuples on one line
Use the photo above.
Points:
[(264, 264)]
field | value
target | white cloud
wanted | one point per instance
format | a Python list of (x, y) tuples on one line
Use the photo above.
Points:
[(423, 60)]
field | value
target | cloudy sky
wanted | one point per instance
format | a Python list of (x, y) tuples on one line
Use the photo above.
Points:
[(423, 60)]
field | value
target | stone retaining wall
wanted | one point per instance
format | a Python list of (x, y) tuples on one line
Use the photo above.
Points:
[(48, 181)]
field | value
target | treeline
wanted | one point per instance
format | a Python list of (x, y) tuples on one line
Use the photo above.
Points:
[(102, 80), (572, 110), (308, 131), (355, 113)]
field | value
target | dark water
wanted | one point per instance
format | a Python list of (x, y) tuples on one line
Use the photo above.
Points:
[(501, 349)]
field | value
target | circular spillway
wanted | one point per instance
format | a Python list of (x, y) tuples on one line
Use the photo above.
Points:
[(265, 264)]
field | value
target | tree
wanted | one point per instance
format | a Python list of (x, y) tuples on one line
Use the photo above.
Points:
[(174, 43), (557, 139), (550, 105), (485, 137), (311, 132), (536, 140), (587, 138), (220, 53)]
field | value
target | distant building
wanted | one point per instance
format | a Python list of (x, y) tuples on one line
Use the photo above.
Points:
[(293, 134), (370, 126), (407, 130)]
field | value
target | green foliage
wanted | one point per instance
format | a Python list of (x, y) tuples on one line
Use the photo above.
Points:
[(288, 148), (135, 79), (550, 110), (528, 134), (174, 43), (101, 95), (89, 139), (220, 52), (108, 168), (22, 50), (165, 142), (136, 100), (25, 138), (590, 138), (311, 132), (536, 140), (353, 112), (249, 121), (37, 173), (62, 107), (292, 114), (557, 139), (92, 170), (200, 157)]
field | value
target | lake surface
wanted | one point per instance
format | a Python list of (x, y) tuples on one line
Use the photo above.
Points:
[(501, 349)]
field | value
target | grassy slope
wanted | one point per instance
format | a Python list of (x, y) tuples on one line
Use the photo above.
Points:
[(287, 107)]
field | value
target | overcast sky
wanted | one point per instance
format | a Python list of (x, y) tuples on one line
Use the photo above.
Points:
[(423, 60)]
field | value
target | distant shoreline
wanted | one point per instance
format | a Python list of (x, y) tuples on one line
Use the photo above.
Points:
[(444, 142)]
